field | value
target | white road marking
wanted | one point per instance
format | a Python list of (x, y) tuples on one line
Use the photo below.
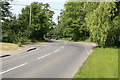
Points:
[(45, 45), (44, 56), (19, 49), (13, 68), (65, 42), (56, 50), (62, 47), (50, 54)]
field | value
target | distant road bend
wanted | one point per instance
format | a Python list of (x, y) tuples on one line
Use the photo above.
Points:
[(61, 59)]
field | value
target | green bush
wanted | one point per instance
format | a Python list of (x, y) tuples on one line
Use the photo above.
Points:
[(19, 44), (69, 39)]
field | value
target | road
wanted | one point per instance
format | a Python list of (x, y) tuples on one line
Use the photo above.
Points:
[(61, 59)]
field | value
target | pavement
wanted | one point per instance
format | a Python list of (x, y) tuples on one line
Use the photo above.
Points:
[(60, 59), (88, 45)]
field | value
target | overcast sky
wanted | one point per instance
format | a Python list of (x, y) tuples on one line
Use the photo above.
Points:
[(54, 4)]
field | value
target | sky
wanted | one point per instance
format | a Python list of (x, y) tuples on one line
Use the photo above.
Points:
[(54, 4)]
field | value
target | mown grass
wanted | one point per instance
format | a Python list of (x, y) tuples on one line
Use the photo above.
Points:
[(8, 46), (102, 63)]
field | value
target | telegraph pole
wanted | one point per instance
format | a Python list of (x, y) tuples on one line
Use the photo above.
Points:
[(30, 16)]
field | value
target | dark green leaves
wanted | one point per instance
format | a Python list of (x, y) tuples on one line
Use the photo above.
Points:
[(19, 28), (99, 20)]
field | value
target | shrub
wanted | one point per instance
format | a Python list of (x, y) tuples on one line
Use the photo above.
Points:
[(19, 44)]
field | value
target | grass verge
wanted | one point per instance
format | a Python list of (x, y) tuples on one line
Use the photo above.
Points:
[(8, 46), (102, 63)]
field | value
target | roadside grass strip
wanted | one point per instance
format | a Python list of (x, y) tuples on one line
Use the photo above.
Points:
[(102, 63), (8, 46)]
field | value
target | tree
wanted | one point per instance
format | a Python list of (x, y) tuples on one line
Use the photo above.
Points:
[(18, 28), (41, 19), (5, 16), (71, 21), (97, 20), (102, 23), (4, 7)]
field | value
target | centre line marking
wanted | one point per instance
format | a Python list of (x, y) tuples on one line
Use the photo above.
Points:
[(56, 50), (13, 68), (44, 56), (65, 42), (62, 47)]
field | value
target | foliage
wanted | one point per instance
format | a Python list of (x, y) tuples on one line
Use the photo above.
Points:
[(19, 44), (71, 21), (102, 23), (41, 19), (51, 31), (16, 29), (4, 7), (96, 20)]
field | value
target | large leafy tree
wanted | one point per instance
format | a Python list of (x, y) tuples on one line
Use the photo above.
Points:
[(41, 19), (102, 22), (18, 28), (6, 17), (4, 8), (71, 21), (99, 20)]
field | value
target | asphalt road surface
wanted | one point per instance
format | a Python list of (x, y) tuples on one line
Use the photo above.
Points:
[(61, 59)]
